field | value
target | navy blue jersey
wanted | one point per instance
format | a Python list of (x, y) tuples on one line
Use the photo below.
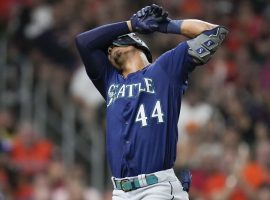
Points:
[(142, 109)]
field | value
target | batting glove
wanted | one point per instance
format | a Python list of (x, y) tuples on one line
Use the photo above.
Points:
[(186, 179), (147, 19)]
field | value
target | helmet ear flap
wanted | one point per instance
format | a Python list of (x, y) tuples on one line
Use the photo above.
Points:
[(147, 53), (134, 40)]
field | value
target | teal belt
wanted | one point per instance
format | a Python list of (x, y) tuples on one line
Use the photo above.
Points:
[(133, 183)]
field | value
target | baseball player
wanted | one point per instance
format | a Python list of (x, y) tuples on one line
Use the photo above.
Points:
[(144, 97)]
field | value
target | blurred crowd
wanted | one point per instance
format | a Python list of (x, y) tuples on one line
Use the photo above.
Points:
[(224, 127)]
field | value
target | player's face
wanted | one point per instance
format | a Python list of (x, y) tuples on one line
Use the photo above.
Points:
[(119, 55)]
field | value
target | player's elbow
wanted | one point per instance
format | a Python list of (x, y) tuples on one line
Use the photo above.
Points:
[(79, 41), (209, 26), (205, 45)]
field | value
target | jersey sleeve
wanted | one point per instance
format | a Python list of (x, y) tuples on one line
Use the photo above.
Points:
[(92, 46), (177, 63)]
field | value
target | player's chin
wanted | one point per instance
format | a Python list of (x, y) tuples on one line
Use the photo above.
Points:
[(115, 62), (117, 66)]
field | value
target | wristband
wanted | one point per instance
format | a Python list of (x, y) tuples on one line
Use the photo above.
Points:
[(174, 26)]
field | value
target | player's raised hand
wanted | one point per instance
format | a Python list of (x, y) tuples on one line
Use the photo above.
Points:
[(160, 14), (148, 19)]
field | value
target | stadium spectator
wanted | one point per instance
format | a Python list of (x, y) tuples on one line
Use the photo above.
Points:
[(30, 153)]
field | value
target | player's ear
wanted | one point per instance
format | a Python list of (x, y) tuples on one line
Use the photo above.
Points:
[(110, 50)]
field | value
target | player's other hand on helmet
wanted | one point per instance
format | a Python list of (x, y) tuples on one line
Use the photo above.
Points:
[(148, 19)]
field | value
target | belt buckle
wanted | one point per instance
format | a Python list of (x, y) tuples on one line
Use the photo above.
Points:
[(123, 187)]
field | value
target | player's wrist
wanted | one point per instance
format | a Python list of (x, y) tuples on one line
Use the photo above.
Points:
[(171, 26), (174, 26)]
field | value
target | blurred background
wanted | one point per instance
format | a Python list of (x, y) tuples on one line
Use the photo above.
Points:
[(52, 126)]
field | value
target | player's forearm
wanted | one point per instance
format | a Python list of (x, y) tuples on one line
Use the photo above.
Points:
[(93, 44), (101, 37), (192, 27)]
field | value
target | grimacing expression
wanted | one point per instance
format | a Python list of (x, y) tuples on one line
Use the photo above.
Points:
[(118, 55)]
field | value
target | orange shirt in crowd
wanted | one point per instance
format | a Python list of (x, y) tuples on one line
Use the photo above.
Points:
[(217, 182), (34, 158), (255, 175)]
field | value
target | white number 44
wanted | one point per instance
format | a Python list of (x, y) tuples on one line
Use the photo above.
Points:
[(156, 113)]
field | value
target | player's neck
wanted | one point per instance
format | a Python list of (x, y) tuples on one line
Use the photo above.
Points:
[(136, 62)]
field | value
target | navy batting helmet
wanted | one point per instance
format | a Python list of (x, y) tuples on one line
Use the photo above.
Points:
[(134, 40)]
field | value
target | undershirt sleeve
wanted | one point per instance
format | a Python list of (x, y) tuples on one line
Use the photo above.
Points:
[(92, 46)]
